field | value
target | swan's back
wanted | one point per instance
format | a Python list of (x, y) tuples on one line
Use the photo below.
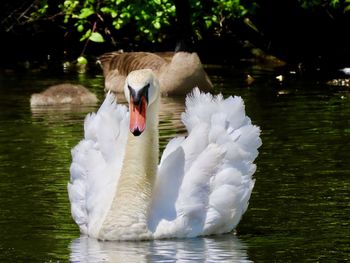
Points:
[(117, 65), (178, 72), (124, 63), (205, 180)]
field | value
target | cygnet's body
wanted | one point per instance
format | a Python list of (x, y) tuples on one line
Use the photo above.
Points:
[(65, 93)]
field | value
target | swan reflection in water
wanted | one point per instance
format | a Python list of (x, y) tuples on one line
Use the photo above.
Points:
[(223, 248)]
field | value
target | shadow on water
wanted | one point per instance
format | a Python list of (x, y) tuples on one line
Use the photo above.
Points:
[(224, 248)]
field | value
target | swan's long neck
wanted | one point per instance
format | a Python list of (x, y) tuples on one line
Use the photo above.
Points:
[(127, 218)]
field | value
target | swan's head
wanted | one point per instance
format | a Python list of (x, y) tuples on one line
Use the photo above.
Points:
[(141, 90)]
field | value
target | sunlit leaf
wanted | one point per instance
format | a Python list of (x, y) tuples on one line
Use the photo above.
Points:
[(80, 28), (96, 37), (156, 25), (208, 21), (86, 35), (85, 12), (43, 9), (82, 60), (67, 3), (105, 10)]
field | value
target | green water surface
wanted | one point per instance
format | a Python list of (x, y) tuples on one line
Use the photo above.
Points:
[(299, 210)]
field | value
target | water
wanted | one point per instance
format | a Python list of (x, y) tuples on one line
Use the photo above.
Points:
[(299, 210)]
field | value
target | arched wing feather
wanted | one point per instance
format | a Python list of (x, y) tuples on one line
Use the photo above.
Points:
[(205, 180), (96, 164)]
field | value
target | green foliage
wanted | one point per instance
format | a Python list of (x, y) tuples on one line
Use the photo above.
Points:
[(217, 14), (152, 20), (347, 6), (98, 20), (325, 4)]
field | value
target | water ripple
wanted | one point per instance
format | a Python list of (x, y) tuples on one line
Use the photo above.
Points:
[(224, 248)]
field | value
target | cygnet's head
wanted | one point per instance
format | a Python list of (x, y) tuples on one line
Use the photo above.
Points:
[(141, 90)]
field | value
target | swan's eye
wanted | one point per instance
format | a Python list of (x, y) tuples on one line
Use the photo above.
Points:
[(144, 91), (137, 95), (132, 91)]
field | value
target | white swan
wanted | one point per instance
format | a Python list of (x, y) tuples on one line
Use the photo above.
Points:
[(201, 186)]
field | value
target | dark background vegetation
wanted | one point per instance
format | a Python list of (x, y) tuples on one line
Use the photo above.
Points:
[(314, 34)]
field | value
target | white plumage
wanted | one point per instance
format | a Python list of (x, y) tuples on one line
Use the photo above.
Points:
[(203, 184)]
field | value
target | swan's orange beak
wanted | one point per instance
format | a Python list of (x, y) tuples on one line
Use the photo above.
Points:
[(137, 115)]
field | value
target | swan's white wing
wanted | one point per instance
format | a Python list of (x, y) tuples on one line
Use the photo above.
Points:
[(205, 181), (96, 164)]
